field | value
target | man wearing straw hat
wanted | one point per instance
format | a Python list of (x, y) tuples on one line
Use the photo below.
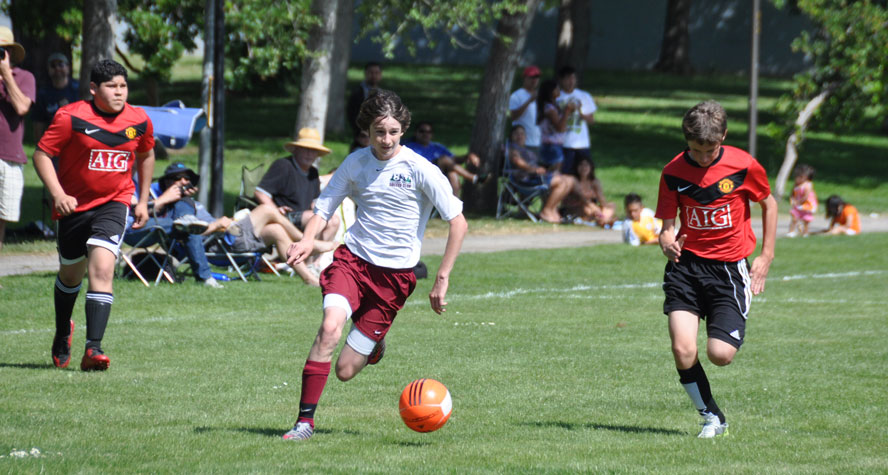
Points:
[(291, 184), (17, 92)]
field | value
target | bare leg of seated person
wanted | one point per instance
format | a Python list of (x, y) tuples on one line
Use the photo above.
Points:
[(559, 187), (263, 215)]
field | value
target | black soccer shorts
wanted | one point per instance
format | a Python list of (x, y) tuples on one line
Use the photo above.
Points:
[(717, 291), (101, 226)]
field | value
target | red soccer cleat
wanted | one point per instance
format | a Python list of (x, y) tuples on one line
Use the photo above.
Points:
[(61, 350), (94, 360)]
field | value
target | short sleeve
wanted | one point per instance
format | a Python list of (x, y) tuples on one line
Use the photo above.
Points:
[(759, 188), (57, 135), (272, 180), (667, 201), (146, 141), (587, 104)]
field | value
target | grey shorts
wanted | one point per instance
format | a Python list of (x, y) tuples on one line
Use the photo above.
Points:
[(247, 241)]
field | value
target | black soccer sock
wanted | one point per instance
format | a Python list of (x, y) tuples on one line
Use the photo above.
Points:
[(98, 310), (696, 384), (64, 298)]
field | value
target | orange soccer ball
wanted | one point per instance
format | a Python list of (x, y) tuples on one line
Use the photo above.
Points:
[(425, 405)]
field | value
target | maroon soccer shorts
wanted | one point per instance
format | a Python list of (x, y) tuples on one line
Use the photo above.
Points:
[(374, 293)]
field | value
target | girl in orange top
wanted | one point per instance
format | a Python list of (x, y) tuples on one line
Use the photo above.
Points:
[(845, 218)]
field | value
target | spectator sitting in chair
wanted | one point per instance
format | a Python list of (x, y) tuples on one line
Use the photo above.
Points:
[(177, 214), (264, 226), (527, 171), (439, 155), (291, 183)]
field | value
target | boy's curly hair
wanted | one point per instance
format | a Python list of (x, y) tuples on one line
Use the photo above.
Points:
[(706, 123)]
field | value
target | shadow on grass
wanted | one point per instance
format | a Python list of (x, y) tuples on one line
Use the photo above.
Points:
[(590, 425), (276, 432), (27, 365)]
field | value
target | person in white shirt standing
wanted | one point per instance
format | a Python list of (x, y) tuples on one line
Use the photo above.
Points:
[(522, 108), (576, 140), (372, 276)]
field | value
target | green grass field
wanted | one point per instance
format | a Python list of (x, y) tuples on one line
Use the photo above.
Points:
[(558, 361)]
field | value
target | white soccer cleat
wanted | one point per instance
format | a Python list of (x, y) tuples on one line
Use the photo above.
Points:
[(712, 427), (301, 431)]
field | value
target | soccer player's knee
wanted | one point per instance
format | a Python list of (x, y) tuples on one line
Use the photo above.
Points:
[(330, 333), (721, 357)]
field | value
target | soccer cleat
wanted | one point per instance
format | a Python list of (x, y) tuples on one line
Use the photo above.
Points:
[(94, 360), (377, 353), (190, 224), (300, 431), (712, 427), (61, 349)]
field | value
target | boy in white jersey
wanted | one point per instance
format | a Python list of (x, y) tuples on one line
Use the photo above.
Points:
[(372, 273)]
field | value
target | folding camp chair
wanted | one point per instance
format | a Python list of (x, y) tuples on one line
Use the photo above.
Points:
[(250, 178), (152, 255), (220, 253), (515, 197)]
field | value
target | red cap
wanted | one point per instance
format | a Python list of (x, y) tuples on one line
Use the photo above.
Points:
[(531, 71)]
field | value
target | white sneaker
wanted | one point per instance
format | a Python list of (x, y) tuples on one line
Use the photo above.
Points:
[(212, 282), (792, 234), (712, 427), (190, 224)]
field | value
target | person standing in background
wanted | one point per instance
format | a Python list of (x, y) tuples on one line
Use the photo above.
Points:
[(522, 108), (62, 91), (17, 93)]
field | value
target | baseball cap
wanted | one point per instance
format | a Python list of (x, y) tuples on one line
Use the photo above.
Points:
[(531, 72), (57, 57)]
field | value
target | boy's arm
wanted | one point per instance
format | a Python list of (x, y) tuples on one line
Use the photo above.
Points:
[(145, 169), (63, 203), (670, 246), (458, 229), (762, 263), (300, 250)]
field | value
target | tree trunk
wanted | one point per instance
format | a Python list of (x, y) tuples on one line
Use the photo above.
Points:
[(574, 23), (674, 57), (316, 69), (99, 17), (339, 67), (493, 103), (796, 138)]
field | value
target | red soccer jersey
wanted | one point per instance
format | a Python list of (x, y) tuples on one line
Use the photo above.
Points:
[(714, 202), (96, 151)]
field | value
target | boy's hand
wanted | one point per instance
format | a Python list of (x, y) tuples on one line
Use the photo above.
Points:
[(673, 250), (65, 205), (299, 251), (759, 272), (439, 291)]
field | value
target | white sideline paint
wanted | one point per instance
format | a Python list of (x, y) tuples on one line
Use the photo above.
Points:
[(572, 290)]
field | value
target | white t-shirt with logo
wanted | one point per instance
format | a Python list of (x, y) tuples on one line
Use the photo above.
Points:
[(577, 134), (394, 199), (528, 119)]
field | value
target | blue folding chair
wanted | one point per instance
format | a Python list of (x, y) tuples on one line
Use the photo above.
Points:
[(174, 123)]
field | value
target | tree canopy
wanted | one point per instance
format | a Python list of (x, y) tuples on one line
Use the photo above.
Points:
[(848, 51)]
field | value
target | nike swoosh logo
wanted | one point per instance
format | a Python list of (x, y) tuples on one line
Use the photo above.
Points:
[(377, 332), (90, 131), (379, 169), (682, 188)]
